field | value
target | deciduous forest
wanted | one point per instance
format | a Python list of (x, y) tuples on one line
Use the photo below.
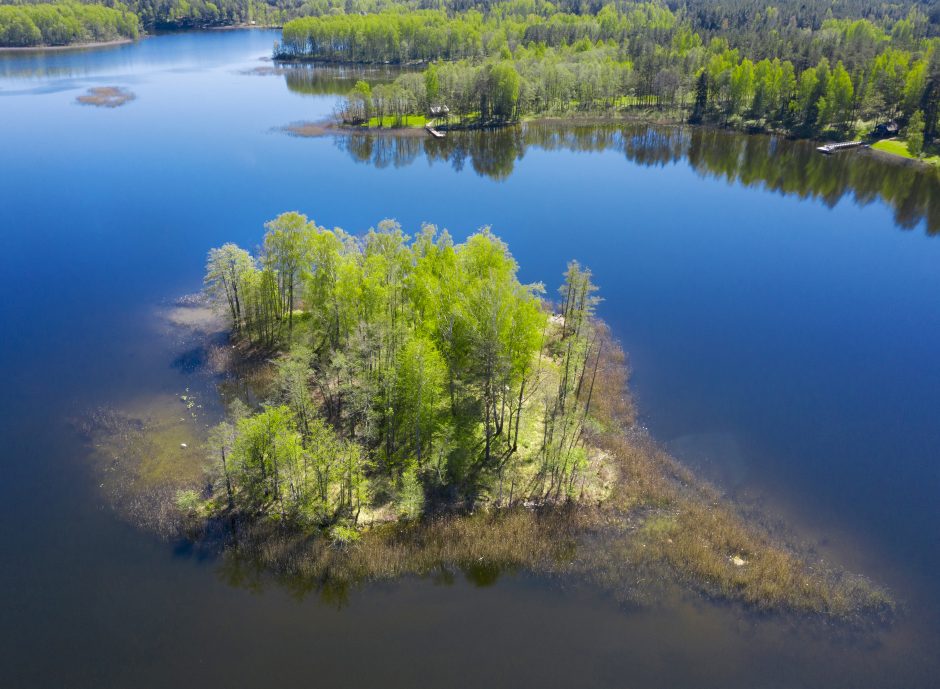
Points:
[(802, 70), (412, 373), (807, 69), (65, 23)]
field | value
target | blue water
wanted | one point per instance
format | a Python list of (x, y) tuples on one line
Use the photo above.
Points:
[(785, 347)]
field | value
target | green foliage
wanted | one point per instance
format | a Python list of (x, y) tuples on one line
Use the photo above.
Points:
[(298, 474), (566, 411), (914, 136), (410, 503), (419, 397), (344, 536), (64, 23), (188, 502), (786, 69), (412, 371)]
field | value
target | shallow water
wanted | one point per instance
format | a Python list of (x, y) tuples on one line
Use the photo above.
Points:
[(780, 310)]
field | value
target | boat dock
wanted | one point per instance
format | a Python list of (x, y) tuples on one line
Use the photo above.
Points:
[(832, 148), (434, 132)]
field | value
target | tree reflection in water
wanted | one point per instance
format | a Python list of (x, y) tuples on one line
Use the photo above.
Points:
[(768, 162)]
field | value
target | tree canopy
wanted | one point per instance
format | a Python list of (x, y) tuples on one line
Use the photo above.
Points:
[(804, 69), (64, 23), (411, 369)]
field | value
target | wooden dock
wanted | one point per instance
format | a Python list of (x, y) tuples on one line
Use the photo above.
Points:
[(832, 148), (434, 132)]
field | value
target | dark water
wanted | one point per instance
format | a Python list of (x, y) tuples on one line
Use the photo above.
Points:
[(780, 309)]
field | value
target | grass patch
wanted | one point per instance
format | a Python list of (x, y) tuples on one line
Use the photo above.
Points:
[(390, 122), (899, 148)]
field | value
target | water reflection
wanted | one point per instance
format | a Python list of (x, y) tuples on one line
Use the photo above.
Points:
[(328, 80), (766, 162)]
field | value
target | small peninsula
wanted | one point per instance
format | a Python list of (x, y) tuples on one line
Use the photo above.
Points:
[(782, 69), (399, 405)]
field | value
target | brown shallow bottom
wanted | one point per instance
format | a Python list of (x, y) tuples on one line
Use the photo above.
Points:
[(106, 97), (659, 522)]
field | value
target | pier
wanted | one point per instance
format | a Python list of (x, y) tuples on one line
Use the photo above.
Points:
[(832, 148)]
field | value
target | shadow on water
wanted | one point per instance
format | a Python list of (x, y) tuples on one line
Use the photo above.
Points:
[(792, 168)]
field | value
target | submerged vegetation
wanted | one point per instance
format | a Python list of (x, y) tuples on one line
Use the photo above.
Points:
[(106, 96), (405, 405)]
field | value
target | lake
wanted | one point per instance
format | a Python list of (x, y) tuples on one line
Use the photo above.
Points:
[(780, 309)]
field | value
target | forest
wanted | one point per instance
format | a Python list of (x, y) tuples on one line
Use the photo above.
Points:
[(412, 374), (803, 72), (15, 16), (65, 23)]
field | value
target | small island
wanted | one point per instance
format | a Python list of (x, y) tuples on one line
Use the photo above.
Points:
[(402, 405), (106, 97)]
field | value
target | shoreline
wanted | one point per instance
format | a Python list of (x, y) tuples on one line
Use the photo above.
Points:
[(333, 127), (237, 27), (315, 129), (71, 46), (651, 519), (329, 127), (124, 41), (897, 159)]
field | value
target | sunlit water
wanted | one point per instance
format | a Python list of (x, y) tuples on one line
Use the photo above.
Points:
[(780, 310)]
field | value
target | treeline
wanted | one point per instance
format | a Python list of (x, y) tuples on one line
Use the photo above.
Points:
[(182, 14), (504, 64), (403, 33), (191, 14), (417, 372), (401, 36), (65, 23)]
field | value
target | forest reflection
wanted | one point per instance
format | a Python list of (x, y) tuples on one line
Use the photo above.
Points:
[(328, 80), (768, 162)]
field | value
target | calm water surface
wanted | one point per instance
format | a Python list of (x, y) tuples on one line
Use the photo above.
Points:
[(780, 310)]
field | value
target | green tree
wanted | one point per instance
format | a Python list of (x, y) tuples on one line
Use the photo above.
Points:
[(226, 271), (287, 245), (503, 85), (915, 134), (701, 98), (420, 400)]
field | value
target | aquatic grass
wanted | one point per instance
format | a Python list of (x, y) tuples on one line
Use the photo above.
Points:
[(106, 97), (640, 519), (493, 542)]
